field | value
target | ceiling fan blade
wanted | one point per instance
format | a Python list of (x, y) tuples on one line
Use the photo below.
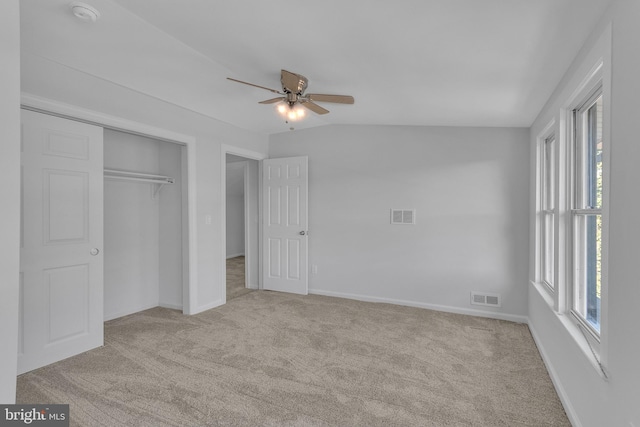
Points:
[(313, 107), (292, 82), (273, 100), (258, 86), (340, 99)]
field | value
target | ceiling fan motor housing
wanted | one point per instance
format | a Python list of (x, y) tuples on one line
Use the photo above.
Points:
[(293, 83), (292, 98)]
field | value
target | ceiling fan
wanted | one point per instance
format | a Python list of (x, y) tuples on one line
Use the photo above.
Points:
[(293, 87)]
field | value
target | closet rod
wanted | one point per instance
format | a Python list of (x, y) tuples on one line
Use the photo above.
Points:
[(149, 180), (137, 176)]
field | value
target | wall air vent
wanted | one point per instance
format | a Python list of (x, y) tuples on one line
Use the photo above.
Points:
[(403, 216), (483, 298)]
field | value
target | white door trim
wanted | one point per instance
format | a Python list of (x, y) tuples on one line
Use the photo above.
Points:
[(44, 105), (249, 154)]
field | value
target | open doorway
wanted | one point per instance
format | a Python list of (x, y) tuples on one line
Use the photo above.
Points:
[(241, 197)]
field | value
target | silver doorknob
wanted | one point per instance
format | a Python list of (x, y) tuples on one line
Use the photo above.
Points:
[(302, 233), (94, 251)]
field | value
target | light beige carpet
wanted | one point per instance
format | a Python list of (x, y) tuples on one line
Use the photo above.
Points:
[(273, 359), (236, 284)]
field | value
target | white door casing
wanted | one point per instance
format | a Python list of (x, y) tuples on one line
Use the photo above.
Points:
[(61, 263), (285, 224)]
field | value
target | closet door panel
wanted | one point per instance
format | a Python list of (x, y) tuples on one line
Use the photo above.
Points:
[(66, 207), (62, 239)]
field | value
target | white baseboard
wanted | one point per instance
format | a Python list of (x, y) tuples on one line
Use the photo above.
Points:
[(470, 312), (562, 394), (123, 313), (170, 305), (234, 255), (214, 304), (252, 285)]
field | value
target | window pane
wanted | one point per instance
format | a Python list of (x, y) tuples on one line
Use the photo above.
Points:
[(588, 268), (595, 155), (548, 168), (547, 191), (587, 250), (548, 265), (589, 155)]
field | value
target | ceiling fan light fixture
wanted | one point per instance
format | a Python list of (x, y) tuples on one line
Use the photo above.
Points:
[(290, 112)]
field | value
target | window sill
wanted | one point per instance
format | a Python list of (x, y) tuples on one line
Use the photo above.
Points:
[(569, 324), (545, 293)]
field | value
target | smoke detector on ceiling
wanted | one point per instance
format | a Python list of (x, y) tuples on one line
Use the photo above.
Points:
[(84, 12)]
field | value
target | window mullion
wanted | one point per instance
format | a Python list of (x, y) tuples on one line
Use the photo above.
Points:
[(588, 211)]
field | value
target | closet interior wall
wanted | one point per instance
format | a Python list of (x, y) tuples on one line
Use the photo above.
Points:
[(143, 259)]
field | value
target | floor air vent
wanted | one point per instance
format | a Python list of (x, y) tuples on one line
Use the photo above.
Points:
[(481, 298)]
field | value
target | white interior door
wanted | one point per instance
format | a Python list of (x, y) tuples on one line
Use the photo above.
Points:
[(61, 260), (285, 224)]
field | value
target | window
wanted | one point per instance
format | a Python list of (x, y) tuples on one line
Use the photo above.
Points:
[(571, 215), (571, 199), (547, 211), (586, 212)]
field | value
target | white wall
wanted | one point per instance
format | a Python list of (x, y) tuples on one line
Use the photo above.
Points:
[(143, 236), (589, 399), (78, 89), (235, 226), (10, 196), (171, 200), (235, 208), (469, 187)]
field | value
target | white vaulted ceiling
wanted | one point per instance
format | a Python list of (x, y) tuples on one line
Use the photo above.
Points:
[(406, 62)]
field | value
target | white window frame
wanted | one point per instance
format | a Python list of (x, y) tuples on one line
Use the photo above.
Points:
[(578, 211), (598, 76), (547, 207)]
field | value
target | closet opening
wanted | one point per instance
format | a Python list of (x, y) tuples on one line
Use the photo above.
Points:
[(241, 225), (145, 224)]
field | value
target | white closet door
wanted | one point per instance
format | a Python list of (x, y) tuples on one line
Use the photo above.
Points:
[(285, 227), (61, 255)]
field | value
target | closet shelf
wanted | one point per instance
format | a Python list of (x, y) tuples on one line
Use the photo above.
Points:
[(160, 180)]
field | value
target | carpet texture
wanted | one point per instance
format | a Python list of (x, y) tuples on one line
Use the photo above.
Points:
[(236, 284), (274, 359)]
